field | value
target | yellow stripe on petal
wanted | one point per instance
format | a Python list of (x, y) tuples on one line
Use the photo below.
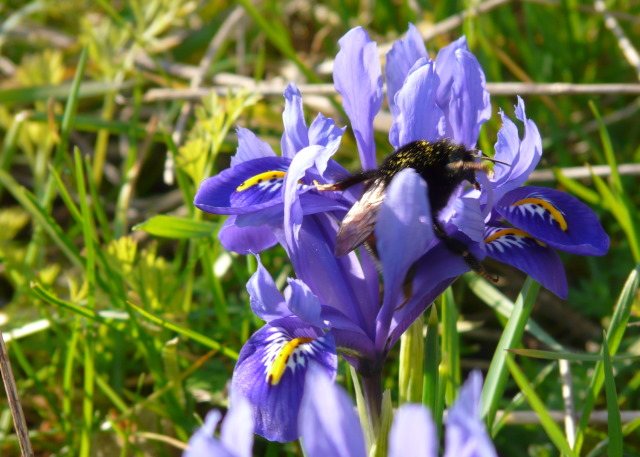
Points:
[(257, 179), (555, 214), (510, 231), (280, 363)]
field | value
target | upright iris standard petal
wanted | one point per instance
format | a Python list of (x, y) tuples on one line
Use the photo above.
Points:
[(462, 93), (328, 422), (247, 187), (469, 106), (324, 132), (296, 135), (271, 373), (250, 147), (357, 76), (419, 117), (517, 248), (466, 434), (522, 157), (400, 59), (555, 218), (413, 433), (265, 298)]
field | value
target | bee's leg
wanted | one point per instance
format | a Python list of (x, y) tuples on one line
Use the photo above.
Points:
[(458, 247), (347, 182)]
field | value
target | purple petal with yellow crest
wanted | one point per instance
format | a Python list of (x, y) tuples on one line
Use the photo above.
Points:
[(555, 218), (271, 372), (519, 249)]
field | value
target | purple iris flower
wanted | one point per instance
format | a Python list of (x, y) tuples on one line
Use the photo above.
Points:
[(528, 223), (447, 98), (251, 190), (329, 425), (236, 436), (272, 366), (335, 304)]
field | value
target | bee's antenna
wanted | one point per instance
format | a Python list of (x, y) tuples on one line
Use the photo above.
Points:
[(491, 159)]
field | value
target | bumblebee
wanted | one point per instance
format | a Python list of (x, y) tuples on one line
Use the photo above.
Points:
[(443, 164)]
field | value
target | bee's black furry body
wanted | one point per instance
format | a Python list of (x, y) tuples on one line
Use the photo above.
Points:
[(443, 165)]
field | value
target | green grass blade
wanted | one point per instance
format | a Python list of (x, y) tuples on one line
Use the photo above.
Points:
[(432, 361), (550, 355), (29, 202), (614, 421), (59, 92), (177, 227), (497, 376), (547, 422), (185, 332), (497, 301), (614, 337), (450, 347)]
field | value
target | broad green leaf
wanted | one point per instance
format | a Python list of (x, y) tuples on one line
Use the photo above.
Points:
[(176, 227)]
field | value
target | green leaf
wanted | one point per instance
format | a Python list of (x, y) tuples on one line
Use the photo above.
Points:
[(614, 421), (552, 355), (176, 227), (547, 422), (205, 340), (497, 376), (614, 337)]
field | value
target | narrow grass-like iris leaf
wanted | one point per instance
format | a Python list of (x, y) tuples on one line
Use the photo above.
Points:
[(499, 302), (497, 376), (410, 375), (29, 202), (547, 422), (185, 331), (450, 347), (551, 355), (614, 337), (432, 361), (614, 421), (176, 227)]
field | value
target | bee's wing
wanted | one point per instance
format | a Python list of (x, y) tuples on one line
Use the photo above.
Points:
[(357, 226)]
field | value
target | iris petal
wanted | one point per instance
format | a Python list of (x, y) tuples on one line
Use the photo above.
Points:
[(469, 106), (419, 118), (245, 240), (522, 156), (413, 433), (250, 147), (203, 442), (271, 373), (555, 218), (296, 134), (403, 231), (328, 423), (218, 194), (518, 249), (400, 59), (266, 300), (357, 76), (466, 435)]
